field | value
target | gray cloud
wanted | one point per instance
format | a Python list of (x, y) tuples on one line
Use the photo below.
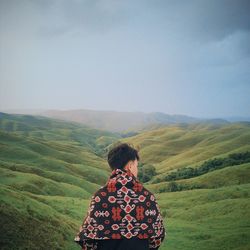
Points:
[(92, 53), (76, 17), (213, 19), (205, 20)]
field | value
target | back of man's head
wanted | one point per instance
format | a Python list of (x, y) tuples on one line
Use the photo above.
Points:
[(121, 154)]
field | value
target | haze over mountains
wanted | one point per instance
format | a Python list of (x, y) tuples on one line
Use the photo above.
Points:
[(117, 121)]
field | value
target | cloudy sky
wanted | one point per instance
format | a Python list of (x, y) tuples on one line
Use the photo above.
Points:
[(177, 57)]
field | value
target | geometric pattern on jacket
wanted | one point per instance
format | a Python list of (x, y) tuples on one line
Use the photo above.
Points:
[(122, 208)]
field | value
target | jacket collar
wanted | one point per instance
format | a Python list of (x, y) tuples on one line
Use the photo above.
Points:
[(122, 172)]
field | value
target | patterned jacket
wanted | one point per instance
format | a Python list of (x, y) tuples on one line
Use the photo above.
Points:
[(122, 208)]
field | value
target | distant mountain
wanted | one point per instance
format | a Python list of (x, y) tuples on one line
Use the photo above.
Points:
[(119, 121), (23, 111), (238, 118)]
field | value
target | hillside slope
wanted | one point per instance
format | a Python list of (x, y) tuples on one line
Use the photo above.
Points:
[(176, 146), (49, 170), (41, 159), (209, 211)]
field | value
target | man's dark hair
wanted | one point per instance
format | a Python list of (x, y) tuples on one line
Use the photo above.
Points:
[(121, 154)]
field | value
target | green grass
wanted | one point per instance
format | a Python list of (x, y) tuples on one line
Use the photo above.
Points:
[(233, 175), (49, 170), (195, 219), (207, 218), (29, 224), (41, 161), (176, 146)]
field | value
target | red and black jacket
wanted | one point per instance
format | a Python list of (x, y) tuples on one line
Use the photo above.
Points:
[(122, 209)]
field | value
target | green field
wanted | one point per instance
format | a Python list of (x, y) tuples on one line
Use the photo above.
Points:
[(50, 168)]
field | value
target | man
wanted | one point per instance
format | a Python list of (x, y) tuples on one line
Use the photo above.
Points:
[(123, 215)]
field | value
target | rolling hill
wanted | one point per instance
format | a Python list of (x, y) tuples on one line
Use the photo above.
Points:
[(209, 211), (50, 168), (40, 159), (176, 146)]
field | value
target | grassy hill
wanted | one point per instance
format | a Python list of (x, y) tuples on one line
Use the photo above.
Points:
[(44, 158), (215, 219), (176, 146), (50, 168), (212, 210)]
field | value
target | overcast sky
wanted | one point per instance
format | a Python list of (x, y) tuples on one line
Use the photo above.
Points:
[(177, 57)]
